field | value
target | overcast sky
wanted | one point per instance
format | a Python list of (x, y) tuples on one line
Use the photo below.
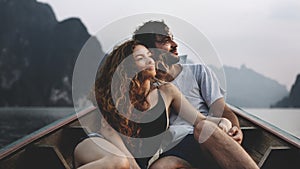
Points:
[(262, 34)]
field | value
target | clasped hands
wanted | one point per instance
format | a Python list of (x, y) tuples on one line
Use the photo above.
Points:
[(225, 125)]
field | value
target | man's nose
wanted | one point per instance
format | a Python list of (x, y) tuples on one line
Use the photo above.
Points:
[(174, 44)]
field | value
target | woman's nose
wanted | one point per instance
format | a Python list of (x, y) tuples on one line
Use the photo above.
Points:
[(150, 60)]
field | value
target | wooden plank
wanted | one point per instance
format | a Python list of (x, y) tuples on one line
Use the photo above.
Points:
[(42, 156), (251, 140)]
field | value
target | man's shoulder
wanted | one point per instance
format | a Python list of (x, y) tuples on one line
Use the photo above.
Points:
[(194, 67)]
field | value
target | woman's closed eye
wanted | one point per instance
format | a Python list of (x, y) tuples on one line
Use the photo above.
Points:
[(143, 56), (138, 58)]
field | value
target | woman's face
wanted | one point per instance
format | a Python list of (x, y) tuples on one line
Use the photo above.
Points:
[(143, 59)]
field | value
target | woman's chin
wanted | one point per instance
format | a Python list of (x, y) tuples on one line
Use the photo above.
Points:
[(149, 73)]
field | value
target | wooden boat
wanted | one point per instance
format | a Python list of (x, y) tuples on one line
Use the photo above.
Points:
[(51, 147)]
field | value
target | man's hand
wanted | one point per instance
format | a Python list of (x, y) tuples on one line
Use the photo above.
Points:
[(236, 133)]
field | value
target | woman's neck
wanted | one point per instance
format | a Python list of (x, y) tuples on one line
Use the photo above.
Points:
[(146, 85)]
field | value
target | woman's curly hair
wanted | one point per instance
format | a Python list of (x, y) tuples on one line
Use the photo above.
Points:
[(118, 90)]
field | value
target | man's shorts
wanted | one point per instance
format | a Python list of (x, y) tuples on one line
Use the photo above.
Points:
[(189, 150)]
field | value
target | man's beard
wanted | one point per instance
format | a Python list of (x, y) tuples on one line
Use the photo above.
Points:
[(167, 58), (170, 58), (163, 64)]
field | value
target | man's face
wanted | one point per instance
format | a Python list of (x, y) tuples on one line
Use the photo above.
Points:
[(167, 44)]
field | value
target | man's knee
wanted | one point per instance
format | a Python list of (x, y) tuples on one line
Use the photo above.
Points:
[(207, 130), (170, 162), (117, 162)]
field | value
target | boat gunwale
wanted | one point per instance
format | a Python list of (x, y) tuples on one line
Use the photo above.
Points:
[(23, 142), (289, 138)]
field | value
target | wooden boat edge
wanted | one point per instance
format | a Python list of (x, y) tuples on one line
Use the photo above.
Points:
[(272, 129), (15, 146), (12, 155)]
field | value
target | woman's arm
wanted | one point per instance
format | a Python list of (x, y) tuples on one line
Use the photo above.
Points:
[(223, 123)]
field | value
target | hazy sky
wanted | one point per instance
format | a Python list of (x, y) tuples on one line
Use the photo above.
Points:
[(262, 34)]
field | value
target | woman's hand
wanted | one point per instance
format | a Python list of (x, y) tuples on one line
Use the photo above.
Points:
[(133, 163), (225, 124), (222, 123)]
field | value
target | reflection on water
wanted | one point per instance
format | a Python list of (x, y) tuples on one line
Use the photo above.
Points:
[(285, 119), (16, 123)]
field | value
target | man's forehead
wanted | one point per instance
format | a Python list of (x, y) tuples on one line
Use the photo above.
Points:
[(163, 32), (167, 34)]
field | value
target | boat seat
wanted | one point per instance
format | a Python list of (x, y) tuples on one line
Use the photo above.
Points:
[(267, 151), (56, 152), (42, 156), (251, 135)]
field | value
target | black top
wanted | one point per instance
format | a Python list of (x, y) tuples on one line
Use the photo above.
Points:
[(153, 125), (154, 121)]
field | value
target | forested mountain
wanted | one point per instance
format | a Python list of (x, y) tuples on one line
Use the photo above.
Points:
[(293, 99), (248, 88), (37, 54)]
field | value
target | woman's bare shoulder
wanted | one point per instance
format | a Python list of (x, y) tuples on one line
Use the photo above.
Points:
[(168, 88)]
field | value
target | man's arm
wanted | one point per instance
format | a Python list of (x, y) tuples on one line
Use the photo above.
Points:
[(235, 132), (214, 95), (220, 109), (230, 115)]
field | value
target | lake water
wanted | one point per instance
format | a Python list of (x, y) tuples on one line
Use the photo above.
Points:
[(287, 120), (16, 123)]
